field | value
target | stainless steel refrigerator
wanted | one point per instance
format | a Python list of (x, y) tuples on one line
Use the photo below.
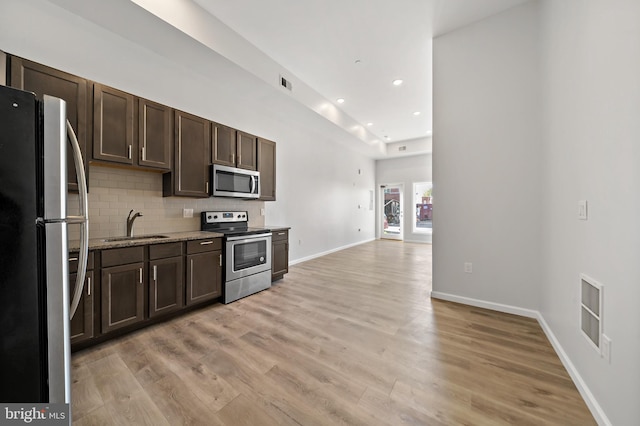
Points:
[(35, 294)]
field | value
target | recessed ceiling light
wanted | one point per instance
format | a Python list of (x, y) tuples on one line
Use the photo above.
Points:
[(387, 137), (369, 124), (358, 61), (416, 113), (397, 82), (340, 100)]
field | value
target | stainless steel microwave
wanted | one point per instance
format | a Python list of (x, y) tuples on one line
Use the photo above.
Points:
[(234, 182)]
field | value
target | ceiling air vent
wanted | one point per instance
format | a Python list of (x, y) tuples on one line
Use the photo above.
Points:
[(402, 148), (285, 83)]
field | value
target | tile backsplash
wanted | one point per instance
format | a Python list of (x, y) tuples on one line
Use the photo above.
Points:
[(114, 192)]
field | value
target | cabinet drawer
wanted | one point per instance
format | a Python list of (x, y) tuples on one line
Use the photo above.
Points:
[(122, 256), (201, 246), (162, 251), (280, 235), (73, 262)]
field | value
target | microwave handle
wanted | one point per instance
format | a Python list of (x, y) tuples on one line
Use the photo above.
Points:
[(253, 184)]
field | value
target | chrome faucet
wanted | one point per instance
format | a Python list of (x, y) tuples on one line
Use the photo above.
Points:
[(130, 221)]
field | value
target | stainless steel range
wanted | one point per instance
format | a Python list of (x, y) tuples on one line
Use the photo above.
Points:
[(246, 254)]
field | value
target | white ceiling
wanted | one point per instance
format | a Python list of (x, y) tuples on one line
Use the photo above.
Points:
[(319, 41)]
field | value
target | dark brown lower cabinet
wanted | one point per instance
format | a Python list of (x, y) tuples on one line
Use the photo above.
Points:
[(166, 279), (122, 296), (81, 325), (204, 270), (279, 254)]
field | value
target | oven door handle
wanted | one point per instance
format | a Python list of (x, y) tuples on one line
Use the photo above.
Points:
[(248, 237)]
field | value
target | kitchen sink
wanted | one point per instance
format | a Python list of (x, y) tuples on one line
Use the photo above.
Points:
[(140, 237)]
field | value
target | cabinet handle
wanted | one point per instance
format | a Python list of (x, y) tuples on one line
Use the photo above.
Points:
[(129, 152), (155, 273), (206, 243), (71, 259), (233, 158), (220, 256), (88, 286), (144, 153), (206, 187), (141, 276), (281, 233)]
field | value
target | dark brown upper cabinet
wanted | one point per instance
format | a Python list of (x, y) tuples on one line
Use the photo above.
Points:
[(113, 132), (192, 138), (224, 145), (247, 151), (267, 169), (43, 80), (130, 130), (155, 135), (231, 147)]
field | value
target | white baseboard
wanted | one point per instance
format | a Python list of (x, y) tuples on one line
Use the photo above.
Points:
[(324, 253), (529, 313), (595, 408)]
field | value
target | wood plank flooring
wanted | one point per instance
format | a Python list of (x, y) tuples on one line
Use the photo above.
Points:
[(350, 338)]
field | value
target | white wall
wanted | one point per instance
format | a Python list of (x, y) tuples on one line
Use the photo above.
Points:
[(591, 142), (538, 124), (486, 171), (317, 181), (407, 171)]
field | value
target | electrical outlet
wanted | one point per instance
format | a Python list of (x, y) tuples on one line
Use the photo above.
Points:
[(582, 209), (606, 348), (261, 212), (468, 267), (186, 213)]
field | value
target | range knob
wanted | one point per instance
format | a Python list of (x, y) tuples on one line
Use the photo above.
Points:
[(215, 217)]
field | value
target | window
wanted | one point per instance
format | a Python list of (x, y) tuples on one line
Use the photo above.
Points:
[(423, 202)]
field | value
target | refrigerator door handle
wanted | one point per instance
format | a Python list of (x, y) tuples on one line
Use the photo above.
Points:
[(83, 220)]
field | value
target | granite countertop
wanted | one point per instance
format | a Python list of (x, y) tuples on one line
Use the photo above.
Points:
[(172, 237), (277, 228)]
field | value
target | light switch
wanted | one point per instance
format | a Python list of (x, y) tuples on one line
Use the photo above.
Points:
[(582, 209)]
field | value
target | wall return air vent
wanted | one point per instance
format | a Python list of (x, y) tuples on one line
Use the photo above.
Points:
[(591, 310)]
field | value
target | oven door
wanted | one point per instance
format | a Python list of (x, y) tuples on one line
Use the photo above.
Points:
[(247, 255)]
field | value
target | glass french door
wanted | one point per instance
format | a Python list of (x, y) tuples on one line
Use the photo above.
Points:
[(391, 211)]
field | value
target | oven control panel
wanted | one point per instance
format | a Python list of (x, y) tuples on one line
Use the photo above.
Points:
[(224, 217)]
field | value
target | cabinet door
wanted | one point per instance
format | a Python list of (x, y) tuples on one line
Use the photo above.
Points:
[(122, 296), (82, 322), (155, 135), (279, 259), (204, 276), (166, 291), (192, 155), (267, 169), (113, 136), (43, 80), (224, 145), (247, 148)]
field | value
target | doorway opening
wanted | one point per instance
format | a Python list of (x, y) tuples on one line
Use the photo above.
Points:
[(391, 211)]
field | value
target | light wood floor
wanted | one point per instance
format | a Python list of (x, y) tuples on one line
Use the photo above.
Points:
[(350, 338)]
